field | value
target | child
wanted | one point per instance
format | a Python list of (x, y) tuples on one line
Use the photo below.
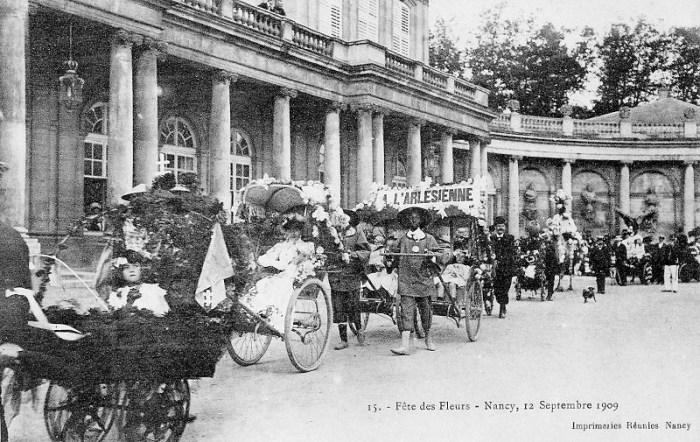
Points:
[(455, 276), (132, 292)]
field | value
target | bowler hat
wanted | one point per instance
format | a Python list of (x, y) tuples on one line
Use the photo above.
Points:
[(499, 220), (404, 215), (354, 217)]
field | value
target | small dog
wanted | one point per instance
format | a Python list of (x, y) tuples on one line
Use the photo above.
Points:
[(589, 293)]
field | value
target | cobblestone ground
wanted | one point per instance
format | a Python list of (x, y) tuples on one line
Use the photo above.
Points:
[(632, 355)]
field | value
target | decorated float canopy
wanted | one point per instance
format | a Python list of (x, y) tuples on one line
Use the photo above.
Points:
[(283, 197), (466, 198)]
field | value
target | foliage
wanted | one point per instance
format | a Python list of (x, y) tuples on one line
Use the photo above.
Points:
[(684, 65), (443, 52), (516, 59), (632, 60)]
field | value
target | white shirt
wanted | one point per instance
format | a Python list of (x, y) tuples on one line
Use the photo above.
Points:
[(152, 298)]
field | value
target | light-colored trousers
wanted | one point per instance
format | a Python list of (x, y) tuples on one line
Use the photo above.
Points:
[(671, 278)]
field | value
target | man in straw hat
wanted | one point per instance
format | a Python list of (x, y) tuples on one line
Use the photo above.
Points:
[(505, 252), (415, 277)]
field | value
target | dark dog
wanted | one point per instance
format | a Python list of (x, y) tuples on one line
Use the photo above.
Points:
[(589, 293)]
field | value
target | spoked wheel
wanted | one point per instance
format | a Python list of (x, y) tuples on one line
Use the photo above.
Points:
[(307, 325), (156, 412), (82, 413), (474, 311), (246, 348), (685, 273)]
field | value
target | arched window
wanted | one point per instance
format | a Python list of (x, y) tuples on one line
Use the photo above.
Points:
[(95, 156), (241, 162), (178, 145), (368, 20), (330, 17), (401, 28), (398, 172)]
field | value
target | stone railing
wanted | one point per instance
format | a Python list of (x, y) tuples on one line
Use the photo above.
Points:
[(262, 21), (515, 122), (435, 78), (541, 124), (400, 64)]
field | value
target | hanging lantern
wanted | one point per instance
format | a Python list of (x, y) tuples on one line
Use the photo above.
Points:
[(70, 85)]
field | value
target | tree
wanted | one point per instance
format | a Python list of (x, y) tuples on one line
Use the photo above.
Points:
[(684, 65), (632, 65), (443, 52), (515, 59)]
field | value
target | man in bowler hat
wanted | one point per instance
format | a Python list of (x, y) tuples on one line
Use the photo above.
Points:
[(505, 251)]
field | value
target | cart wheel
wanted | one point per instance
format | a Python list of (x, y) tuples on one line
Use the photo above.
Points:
[(246, 348), (474, 310), (82, 413), (307, 325), (156, 411), (685, 273)]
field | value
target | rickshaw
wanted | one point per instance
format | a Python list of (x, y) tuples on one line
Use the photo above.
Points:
[(450, 215), (309, 314)]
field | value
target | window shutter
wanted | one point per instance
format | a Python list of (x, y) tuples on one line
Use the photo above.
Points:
[(368, 20), (401, 27), (330, 17)]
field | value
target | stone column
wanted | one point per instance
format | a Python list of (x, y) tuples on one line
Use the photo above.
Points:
[(484, 158), (364, 152), (378, 146), (146, 111), (331, 155), (120, 175), (566, 182), (689, 197), (514, 196), (413, 158), (220, 137), (625, 187), (447, 156), (14, 18), (475, 160), (281, 135)]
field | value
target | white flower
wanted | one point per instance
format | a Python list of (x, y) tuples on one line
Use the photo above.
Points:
[(320, 250), (314, 232)]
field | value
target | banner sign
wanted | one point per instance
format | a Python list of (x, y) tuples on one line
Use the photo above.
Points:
[(468, 197)]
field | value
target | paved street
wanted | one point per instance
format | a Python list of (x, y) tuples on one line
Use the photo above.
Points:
[(634, 352)]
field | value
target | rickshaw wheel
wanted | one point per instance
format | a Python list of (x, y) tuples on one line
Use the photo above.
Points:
[(157, 412), (685, 273), (82, 413), (246, 348), (307, 325), (474, 311)]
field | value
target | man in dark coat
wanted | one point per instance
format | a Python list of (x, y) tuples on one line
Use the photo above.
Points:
[(505, 251), (621, 258), (551, 262), (600, 263)]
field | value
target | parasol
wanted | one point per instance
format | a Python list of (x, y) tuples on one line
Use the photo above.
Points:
[(277, 197)]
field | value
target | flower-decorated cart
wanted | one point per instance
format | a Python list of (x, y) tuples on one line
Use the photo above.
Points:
[(458, 214), (302, 318)]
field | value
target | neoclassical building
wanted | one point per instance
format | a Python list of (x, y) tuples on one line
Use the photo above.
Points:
[(637, 160), (97, 96)]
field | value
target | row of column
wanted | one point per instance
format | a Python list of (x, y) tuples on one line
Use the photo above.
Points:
[(566, 186)]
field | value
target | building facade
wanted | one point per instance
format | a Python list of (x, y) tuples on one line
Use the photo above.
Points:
[(332, 90), (639, 161)]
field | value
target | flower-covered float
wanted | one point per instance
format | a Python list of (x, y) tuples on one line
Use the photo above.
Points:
[(292, 228), (458, 213)]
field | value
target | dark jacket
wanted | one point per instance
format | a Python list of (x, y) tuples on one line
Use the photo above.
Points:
[(600, 259), (416, 273), (621, 253), (14, 272), (669, 255), (346, 277), (551, 260), (506, 255)]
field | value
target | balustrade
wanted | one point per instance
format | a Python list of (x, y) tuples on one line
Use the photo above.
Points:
[(312, 40), (435, 78), (541, 124), (400, 64), (211, 6), (464, 89), (258, 19), (659, 130)]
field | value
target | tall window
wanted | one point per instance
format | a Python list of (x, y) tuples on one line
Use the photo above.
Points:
[(398, 172), (95, 156), (331, 17), (179, 146), (401, 25), (241, 162), (368, 20)]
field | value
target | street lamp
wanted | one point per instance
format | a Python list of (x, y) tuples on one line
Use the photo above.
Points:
[(71, 86)]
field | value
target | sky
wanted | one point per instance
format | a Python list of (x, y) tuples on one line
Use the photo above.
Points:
[(463, 18)]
